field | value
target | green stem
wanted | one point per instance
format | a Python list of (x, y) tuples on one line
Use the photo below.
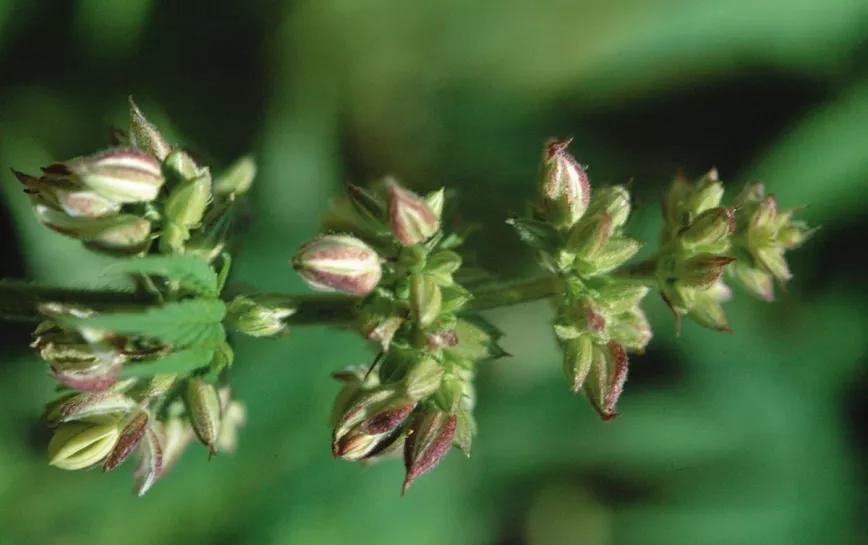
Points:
[(19, 301)]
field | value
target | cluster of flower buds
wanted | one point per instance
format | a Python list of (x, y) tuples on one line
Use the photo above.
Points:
[(763, 234), (147, 376), (579, 236), (122, 199), (695, 250), (417, 397)]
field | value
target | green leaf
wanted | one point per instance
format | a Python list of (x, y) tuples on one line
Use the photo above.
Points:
[(182, 362), (190, 272), (195, 322)]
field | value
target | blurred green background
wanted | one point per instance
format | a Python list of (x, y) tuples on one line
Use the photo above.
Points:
[(755, 437)]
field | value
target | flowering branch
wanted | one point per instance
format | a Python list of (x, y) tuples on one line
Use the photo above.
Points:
[(146, 370)]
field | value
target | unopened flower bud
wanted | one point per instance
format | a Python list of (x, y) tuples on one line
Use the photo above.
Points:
[(338, 263), (632, 330), (255, 318), (565, 188), (426, 299), (708, 312), (706, 194), (620, 297), (86, 204), (124, 233), (702, 270), (145, 136), (755, 280), (450, 394), (187, 202), (370, 423), (578, 355), (588, 238), (203, 411), (411, 219), (124, 175), (441, 265), (86, 405), (183, 167), (615, 200), (238, 177), (710, 227), (129, 439), (435, 201), (81, 444), (614, 253), (607, 377), (423, 379), (428, 440)]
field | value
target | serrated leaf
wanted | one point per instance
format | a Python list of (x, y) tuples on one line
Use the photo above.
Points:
[(190, 272), (182, 362), (195, 322), (536, 234)]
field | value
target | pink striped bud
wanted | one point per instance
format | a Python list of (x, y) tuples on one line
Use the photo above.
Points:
[(338, 263), (410, 217), (566, 191)]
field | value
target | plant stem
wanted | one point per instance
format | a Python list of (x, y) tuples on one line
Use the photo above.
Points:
[(19, 301)]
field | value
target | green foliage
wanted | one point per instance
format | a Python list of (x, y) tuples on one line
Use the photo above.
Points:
[(191, 273)]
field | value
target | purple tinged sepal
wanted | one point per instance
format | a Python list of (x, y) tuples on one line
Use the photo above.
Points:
[(429, 438), (130, 437), (144, 135), (338, 263), (564, 187), (411, 219)]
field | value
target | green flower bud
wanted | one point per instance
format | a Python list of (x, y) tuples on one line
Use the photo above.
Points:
[(706, 194), (587, 239), (632, 330), (121, 233), (564, 187), (183, 167), (410, 218), (435, 201), (450, 394), (123, 175), (578, 355), (428, 440), (702, 270), (441, 265), (708, 312), (257, 319), (710, 227), (621, 296), (238, 177), (425, 299), (145, 136), (615, 200), (81, 444), (187, 202), (203, 411), (755, 280), (338, 263), (423, 379), (614, 253)]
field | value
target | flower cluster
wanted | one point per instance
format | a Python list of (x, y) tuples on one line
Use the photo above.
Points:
[(579, 237), (146, 375), (419, 398)]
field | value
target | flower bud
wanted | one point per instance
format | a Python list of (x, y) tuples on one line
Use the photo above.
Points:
[(435, 201), (587, 239), (702, 270), (441, 265), (578, 355), (565, 188), (423, 379), (607, 377), (632, 330), (257, 319), (706, 194), (615, 200), (710, 227), (338, 263), (370, 423), (183, 167), (81, 444), (755, 280), (410, 218), (614, 253), (622, 296), (87, 405), (124, 233), (203, 411), (426, 299), (145, 136), (123, 175), (238, 177), (129, 439), (428, 440), (450, 394), (187, 202), (708, 312), (86, 204)]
